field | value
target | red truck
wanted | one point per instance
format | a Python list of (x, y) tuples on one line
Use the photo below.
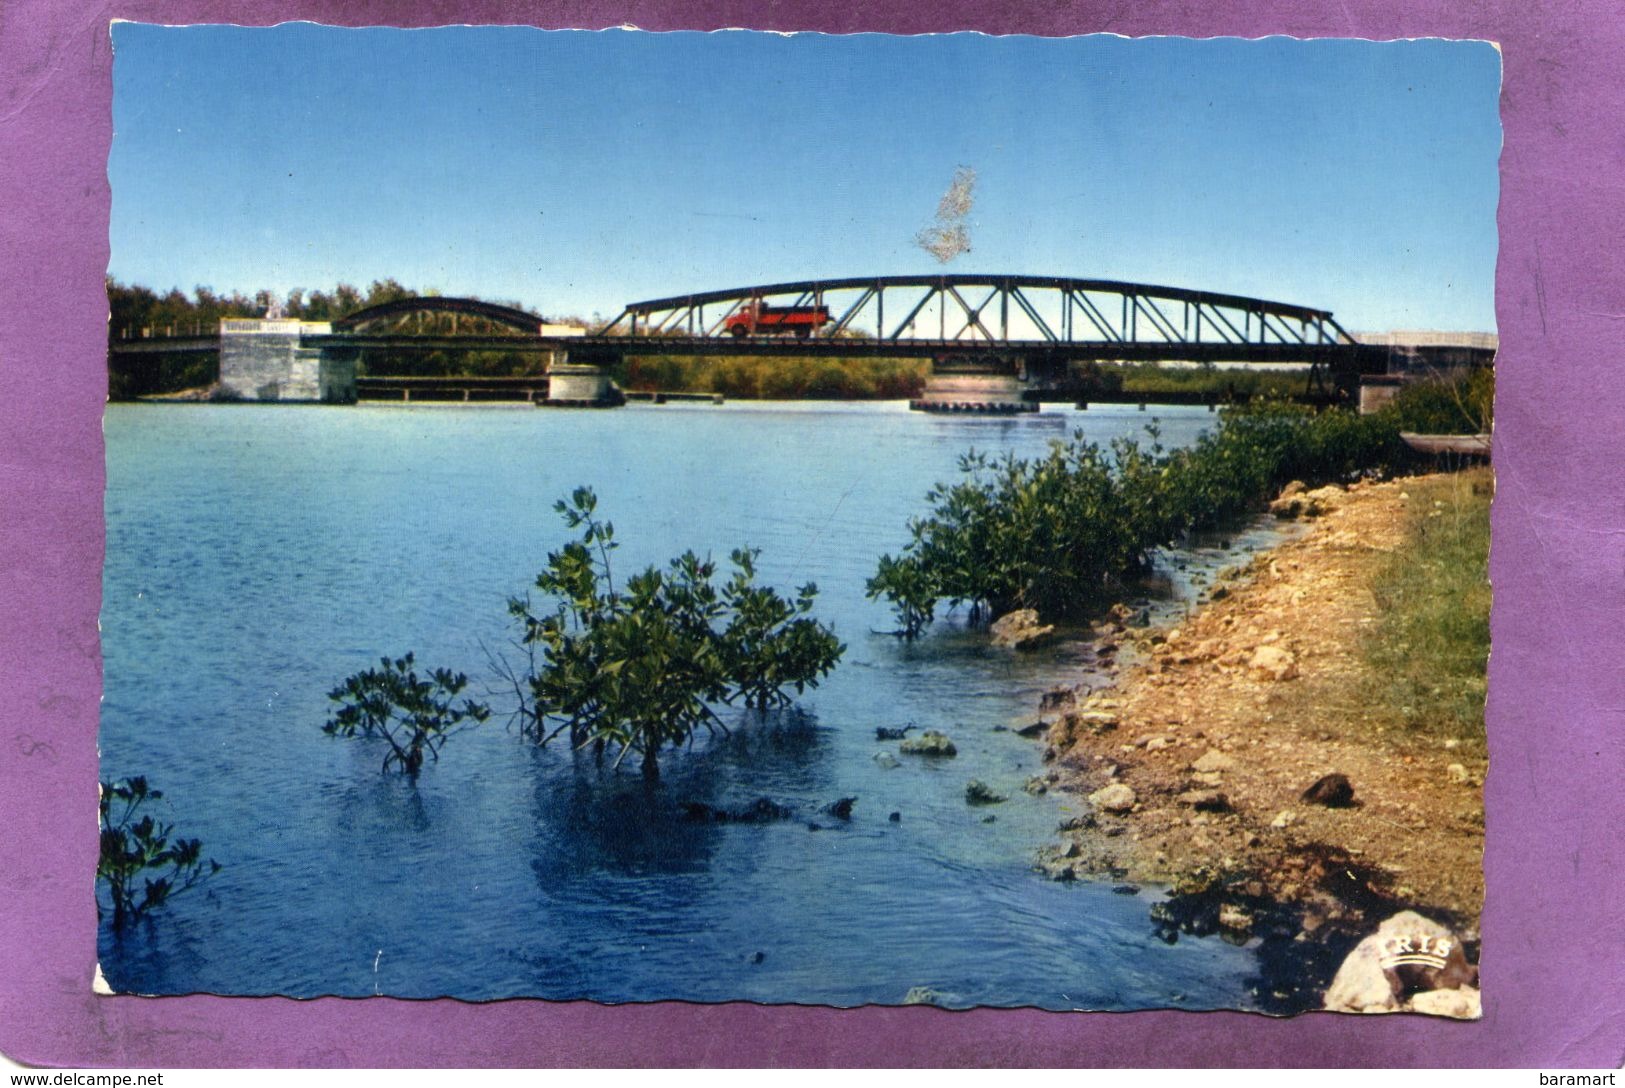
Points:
[(754, 318)]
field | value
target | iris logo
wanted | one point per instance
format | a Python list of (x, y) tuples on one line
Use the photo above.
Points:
[(1415, 951)]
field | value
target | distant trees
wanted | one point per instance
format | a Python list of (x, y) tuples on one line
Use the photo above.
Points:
[(779, 378), (134, 307)]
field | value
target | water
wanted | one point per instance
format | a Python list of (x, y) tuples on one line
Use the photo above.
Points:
[(257, 555)]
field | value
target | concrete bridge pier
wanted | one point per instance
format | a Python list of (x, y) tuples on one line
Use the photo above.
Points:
[(582, 379), (269, 360), (986, 389)]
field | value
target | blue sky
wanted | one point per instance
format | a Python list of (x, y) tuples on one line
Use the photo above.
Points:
[(577, 171)]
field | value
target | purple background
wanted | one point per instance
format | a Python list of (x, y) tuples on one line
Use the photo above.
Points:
[(1552, 961)]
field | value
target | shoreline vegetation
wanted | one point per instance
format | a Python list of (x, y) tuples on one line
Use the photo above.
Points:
[(1302, 758), (1064, 534), (1353, 654)]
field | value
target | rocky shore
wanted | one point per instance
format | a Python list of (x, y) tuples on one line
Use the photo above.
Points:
[(1235, 760)]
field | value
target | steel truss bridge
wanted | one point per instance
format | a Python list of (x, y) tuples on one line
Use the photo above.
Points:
[(1035, 327), (1005, 313), (1037, 324)]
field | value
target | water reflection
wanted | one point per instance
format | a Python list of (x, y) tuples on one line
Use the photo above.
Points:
[(595, 819)]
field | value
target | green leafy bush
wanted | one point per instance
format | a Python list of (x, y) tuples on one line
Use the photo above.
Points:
[(634, 669), (135, 848), (1058, 533), (1451, 404), (415, 715)]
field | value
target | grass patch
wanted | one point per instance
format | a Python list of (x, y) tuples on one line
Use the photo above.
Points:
[(1431, 644)]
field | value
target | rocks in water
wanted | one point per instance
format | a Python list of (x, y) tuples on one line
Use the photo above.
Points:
[(1123, 615), (1077, 823), (990, 819), (885, 760), (1273, 663), (1205, 800), (929, 743), (1407, 955), (884, 732), (1058, 699), (1332, 790), (921, 995), (759, 957), (978, 792), (1116, 797), (842, 809), (896, 817), (1036, 785), (1232, 919), (760, 811), (1126, 889), (1213, 761), (1020, 630), (1036, 729)]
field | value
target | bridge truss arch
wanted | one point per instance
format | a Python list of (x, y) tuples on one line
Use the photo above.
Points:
[(1108, 318), (391, 316)]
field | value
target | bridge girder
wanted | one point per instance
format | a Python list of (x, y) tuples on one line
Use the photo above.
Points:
[(521, 321), (1003, 311)]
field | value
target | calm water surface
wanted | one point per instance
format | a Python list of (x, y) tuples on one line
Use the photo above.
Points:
[(257, 555)]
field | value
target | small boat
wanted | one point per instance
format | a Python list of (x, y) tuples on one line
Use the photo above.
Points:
[(1470, 445)]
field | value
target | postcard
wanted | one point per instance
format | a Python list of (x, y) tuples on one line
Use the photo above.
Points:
[(822, 520)]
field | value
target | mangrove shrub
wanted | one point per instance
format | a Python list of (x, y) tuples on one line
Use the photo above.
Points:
[(415, 715), (141, 863), (644, 665), (1059, 532)]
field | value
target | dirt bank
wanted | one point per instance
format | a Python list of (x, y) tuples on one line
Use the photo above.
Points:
[(1197, 759)]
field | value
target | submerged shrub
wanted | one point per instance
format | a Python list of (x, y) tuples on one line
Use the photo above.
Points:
[(142, 849), (911, 589), (636, 668), (415, 714)]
